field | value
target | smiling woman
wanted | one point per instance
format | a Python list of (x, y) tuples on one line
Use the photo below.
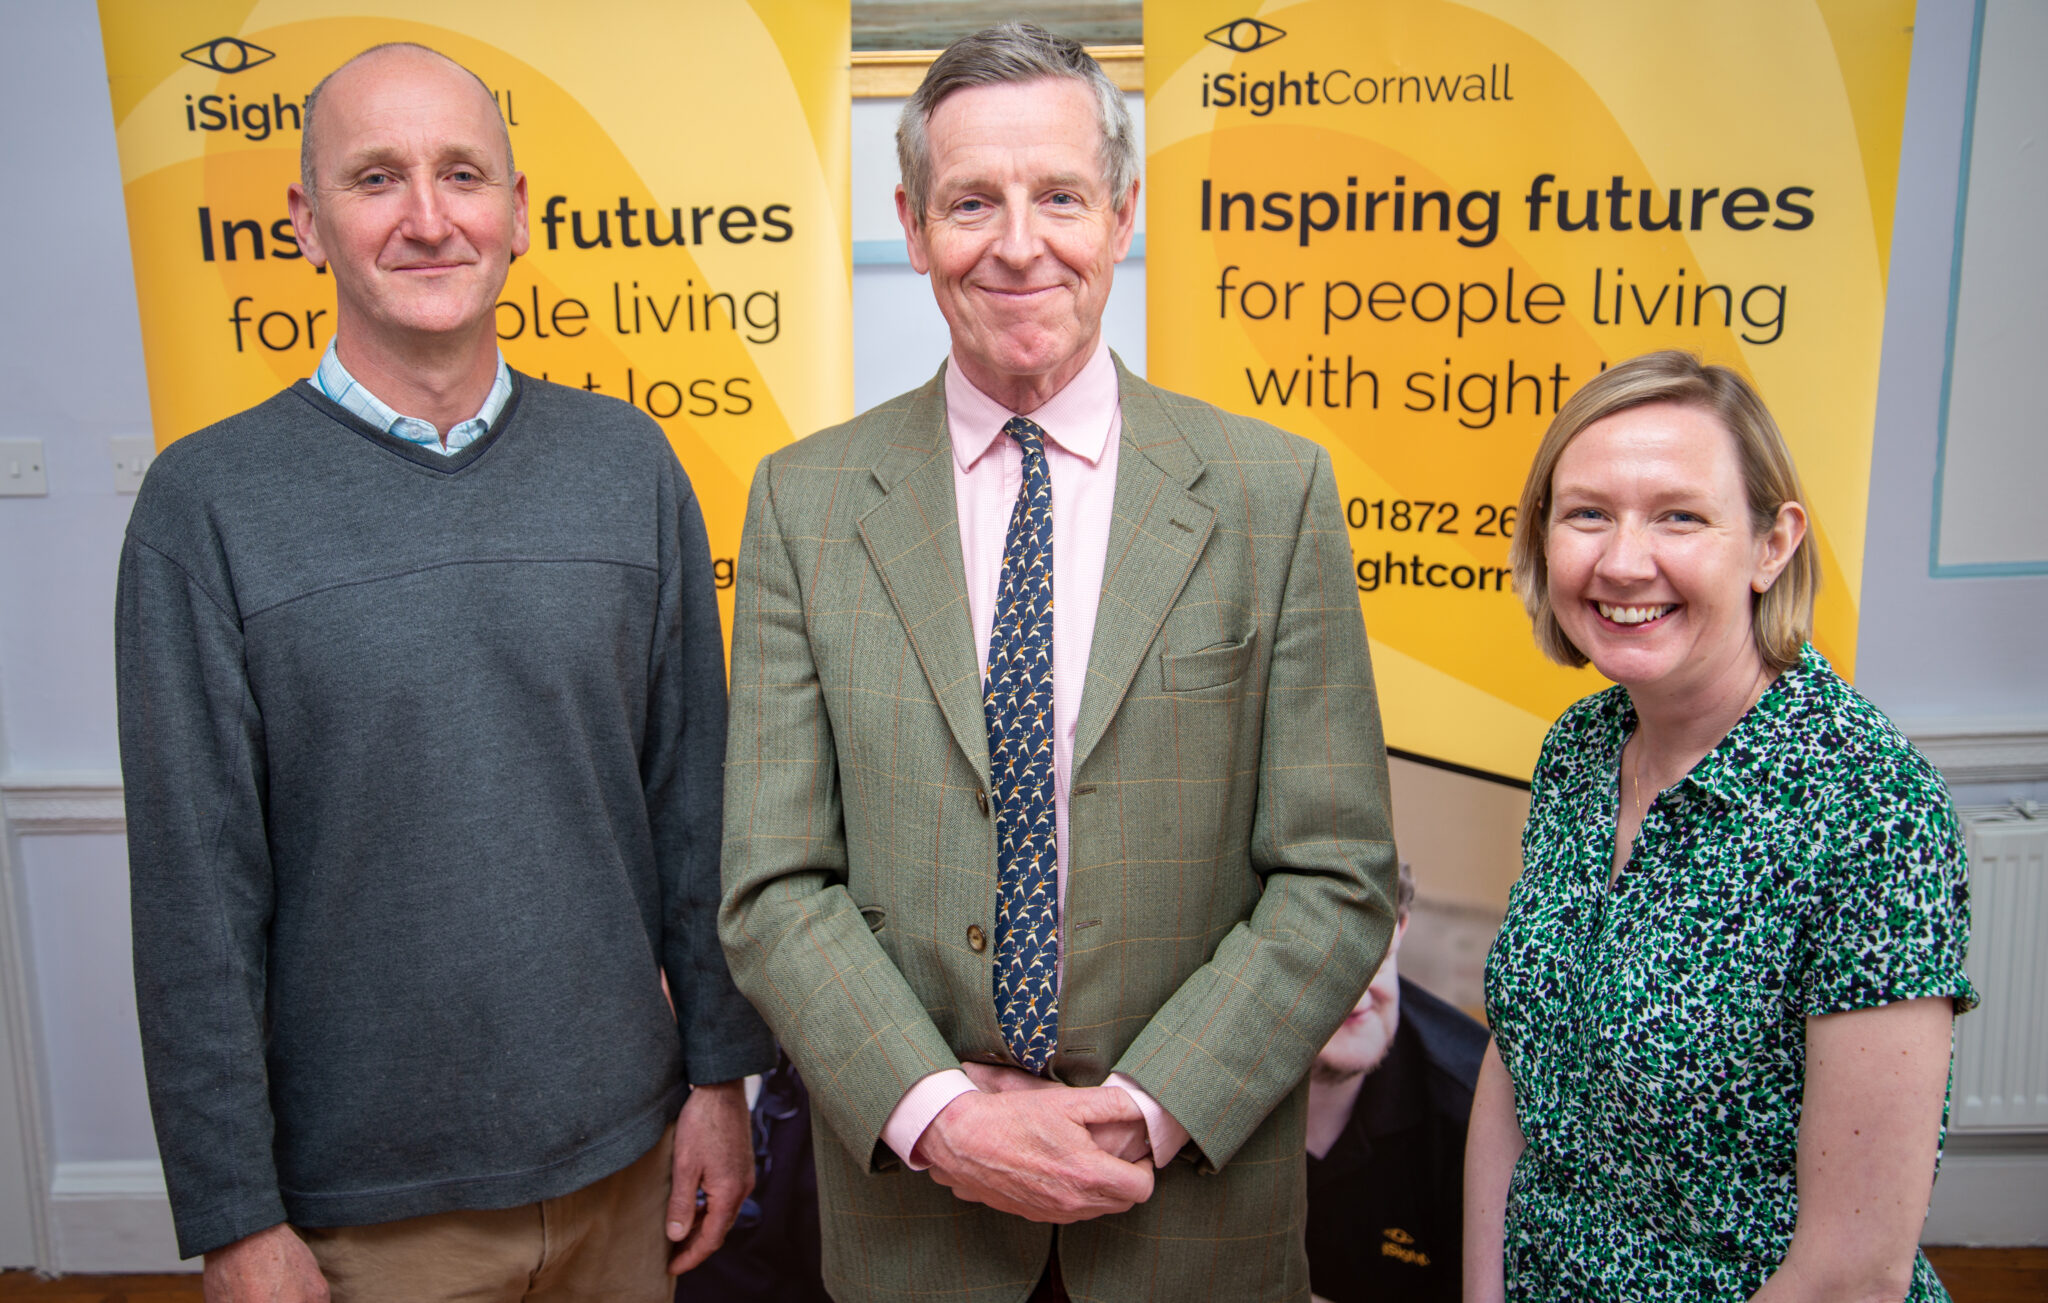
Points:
[(1692, 405), (1742, 889)]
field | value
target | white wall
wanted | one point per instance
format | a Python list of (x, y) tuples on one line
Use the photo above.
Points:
[(1993, 478), (1960, 655), (71, 370), (1957, 661), (1947, 656)]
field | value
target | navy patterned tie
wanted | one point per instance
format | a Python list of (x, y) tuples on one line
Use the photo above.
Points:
[(1017, 701)]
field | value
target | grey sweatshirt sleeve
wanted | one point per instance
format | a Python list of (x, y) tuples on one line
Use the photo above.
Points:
[(192, 761), (683, 767)]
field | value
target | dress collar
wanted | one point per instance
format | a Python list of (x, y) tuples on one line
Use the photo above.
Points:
[(1725, 772)]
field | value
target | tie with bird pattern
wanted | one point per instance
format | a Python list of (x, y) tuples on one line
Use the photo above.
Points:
[(1017, 702)]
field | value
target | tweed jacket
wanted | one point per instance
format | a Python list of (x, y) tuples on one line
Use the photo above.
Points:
[(1231, 865)]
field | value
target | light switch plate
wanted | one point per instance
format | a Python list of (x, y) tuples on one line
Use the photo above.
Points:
[(132, 455), (22, 471)]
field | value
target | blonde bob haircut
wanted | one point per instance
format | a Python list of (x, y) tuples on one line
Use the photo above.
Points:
[(1781, 616)]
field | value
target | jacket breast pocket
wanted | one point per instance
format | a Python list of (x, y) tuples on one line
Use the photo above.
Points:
[(1206, 667)]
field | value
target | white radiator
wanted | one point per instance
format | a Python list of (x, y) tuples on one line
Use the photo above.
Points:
[(2001, 1081)]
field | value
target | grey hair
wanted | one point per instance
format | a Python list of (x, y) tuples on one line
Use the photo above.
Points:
[(313, 101), (1005, 54)]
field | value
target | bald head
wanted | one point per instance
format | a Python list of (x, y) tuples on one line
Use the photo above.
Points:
[(431, 62), (410, 201)]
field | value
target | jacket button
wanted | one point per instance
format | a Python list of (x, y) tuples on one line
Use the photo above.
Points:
[(977, 940), (981, 799)]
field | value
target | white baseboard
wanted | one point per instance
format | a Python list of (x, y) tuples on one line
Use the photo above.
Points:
[(113, 1217), (1990, 1199)]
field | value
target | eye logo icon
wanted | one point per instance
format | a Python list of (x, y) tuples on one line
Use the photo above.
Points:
[(1244, 35), (228, 54)]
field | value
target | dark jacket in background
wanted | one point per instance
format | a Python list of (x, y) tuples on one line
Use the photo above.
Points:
[(1386, 1204)]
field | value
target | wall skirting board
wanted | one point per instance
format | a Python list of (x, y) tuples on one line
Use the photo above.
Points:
[(113, 1217), (1990, 1193)]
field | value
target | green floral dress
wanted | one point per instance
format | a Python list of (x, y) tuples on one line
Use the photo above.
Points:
[(1655, 1032)]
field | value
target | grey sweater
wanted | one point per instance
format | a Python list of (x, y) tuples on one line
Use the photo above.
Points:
[(423, 764)]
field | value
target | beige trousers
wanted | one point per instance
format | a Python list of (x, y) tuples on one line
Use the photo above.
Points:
[(605, 1241)]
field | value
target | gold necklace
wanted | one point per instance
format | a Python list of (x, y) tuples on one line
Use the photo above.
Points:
[(1635, 783), (1635, 741)]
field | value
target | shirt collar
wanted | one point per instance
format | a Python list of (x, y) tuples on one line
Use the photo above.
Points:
[(333, 380), (1077, 418)]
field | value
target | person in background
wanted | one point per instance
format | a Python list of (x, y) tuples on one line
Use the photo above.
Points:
[(422, 713), (1388, 1102), (1723, 994)]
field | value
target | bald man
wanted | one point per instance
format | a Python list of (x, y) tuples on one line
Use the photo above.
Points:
[(422, 718)]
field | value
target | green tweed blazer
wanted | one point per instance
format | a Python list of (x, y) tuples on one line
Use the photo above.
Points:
[(1230, 869)]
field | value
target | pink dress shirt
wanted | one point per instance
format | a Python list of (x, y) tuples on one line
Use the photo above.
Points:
[(1082, 423)]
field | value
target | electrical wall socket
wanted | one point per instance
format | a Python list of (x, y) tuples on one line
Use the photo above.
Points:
[(132, 455), (22, 471)]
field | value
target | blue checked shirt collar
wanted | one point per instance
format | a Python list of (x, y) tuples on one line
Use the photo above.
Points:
[(333, 379)]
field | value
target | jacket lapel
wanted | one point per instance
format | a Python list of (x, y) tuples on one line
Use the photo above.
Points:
[(913, 538), (1156, 534)]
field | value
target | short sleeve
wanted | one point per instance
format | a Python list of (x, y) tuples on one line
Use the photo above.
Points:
[(1891, 917)]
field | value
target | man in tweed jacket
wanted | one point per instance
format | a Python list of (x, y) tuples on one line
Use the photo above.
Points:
[(1226, 864)]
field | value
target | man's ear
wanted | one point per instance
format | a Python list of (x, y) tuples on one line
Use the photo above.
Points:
[(301, 206), (1126, 222), (522, 239), (913, 233)]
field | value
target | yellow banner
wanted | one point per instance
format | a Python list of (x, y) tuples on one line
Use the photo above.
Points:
[(687, 171), (1409, 229)]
